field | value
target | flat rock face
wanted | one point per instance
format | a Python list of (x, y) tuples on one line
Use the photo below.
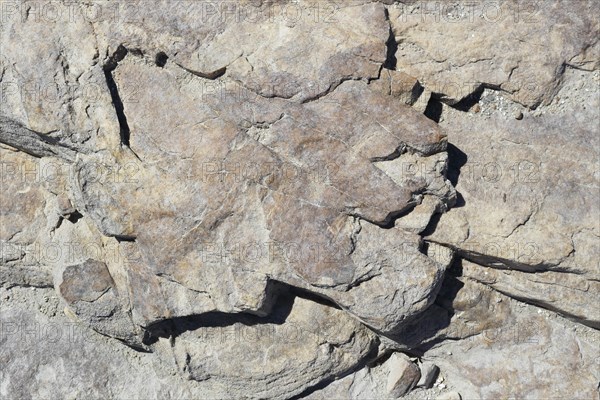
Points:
[(516, 46), (22, 217), (477, 352), (296, 199), (64, 96), (65, 359), (530, 192), (489, 345), (20, 207), (201, 177), (262, 45), (371, 382)]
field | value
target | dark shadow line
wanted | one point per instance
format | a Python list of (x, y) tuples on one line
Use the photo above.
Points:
[(110, 66)]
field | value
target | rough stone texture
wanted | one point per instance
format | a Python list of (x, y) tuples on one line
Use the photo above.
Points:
[(518, 351), (371, 382), (22, 196), (364, 383), (209, 208), (566, 294), (429, 374), (208, 41), (472, 330), (91, 293), (398, 84), (58, 358), (23, 216), (450, 396), (289, 199), (525, 214), (403, 375), (61, 96), (300, 344), (519, 47), (245, 196)]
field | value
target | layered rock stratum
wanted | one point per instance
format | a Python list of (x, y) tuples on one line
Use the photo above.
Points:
[(296, 199)]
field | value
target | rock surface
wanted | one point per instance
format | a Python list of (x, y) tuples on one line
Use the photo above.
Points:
[(403, 375), (254, 193), (530, 194), (519, 47), (547, 346), (371, 382), (62, 359), (295, 199), (300, 344), (429, 374)]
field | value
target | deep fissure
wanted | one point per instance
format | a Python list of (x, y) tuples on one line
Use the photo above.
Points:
[(109, 67)]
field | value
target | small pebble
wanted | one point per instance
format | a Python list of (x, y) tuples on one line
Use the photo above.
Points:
[(519, 116), (429, 374)]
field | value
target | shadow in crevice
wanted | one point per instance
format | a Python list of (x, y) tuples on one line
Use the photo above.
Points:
[(456, 160), (109, 67), (280, 304), (392, 46), (427, 329), (434, 109), (470, 100), (307, 295), (74, 217), (174, 327), (390, 220), (161, 59), (460, 200), (432, 225)]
